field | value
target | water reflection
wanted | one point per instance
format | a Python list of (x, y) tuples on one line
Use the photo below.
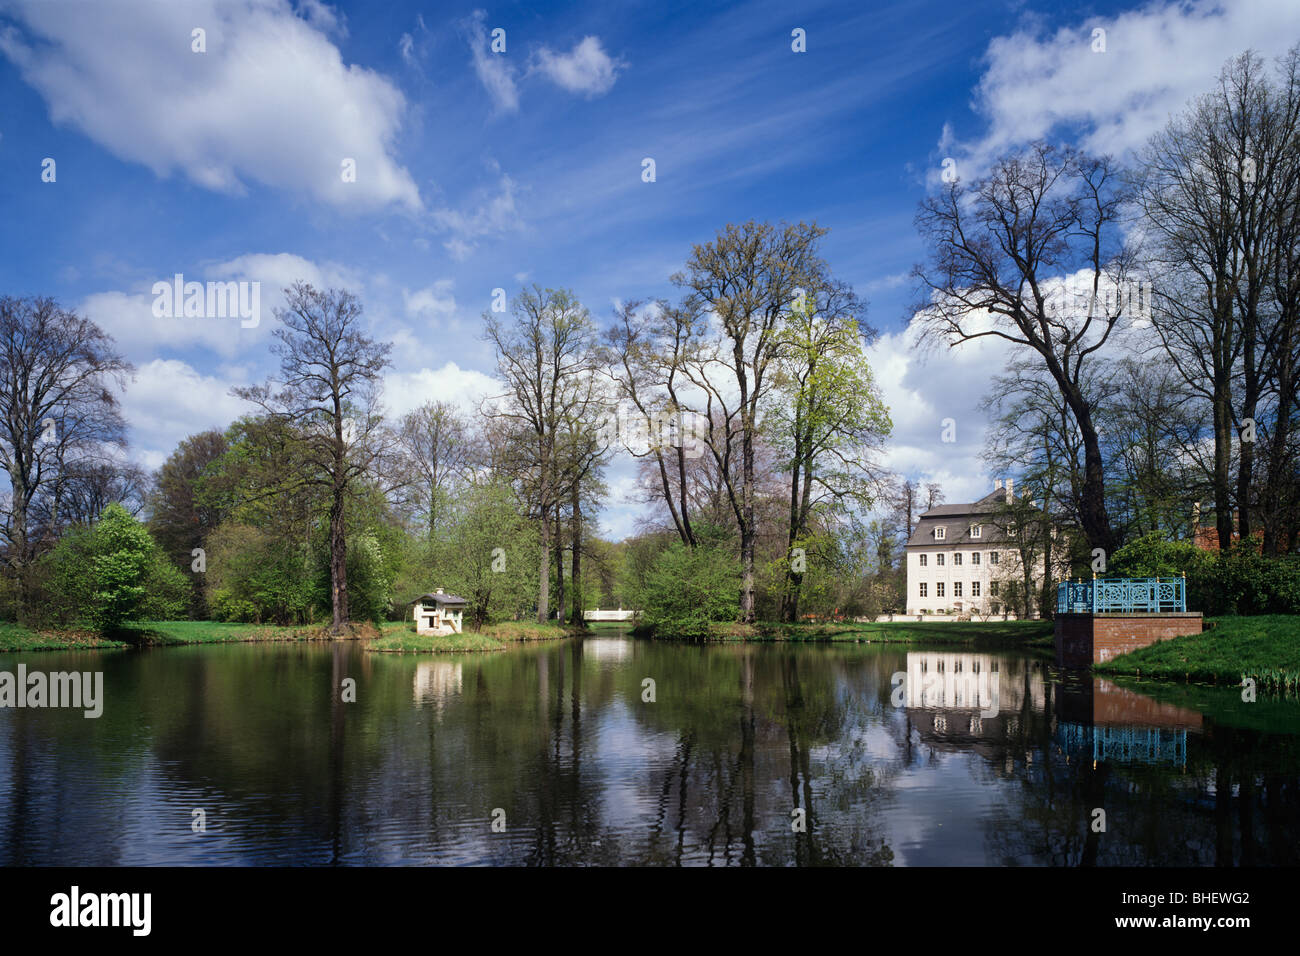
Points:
[(748, 755), (436, 682)]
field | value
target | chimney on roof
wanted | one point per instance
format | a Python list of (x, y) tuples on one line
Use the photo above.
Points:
[(439, 591), (1008, 491), (997, 484)]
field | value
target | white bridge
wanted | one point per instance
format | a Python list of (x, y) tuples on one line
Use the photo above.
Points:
[(607, 615)]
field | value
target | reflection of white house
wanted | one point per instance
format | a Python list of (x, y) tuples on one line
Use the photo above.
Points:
[(961, 557), (436, 682), (963, 680), (439, 613)]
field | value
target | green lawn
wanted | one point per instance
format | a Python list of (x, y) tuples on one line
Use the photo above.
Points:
[(217, 632), (15, 637), (1032, 633), (1266, 648)]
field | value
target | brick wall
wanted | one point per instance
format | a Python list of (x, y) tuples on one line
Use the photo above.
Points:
[(1083, 640)]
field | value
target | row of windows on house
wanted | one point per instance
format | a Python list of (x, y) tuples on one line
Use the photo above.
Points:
[(994, 558), (941, 533), (956, 589)]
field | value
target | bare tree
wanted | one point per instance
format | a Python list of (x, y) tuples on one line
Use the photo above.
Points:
[(933, 495), (436, 445), (57, 410), (328, 392), (644, 354), (1001, 255), (547, 358), (1217, 191)]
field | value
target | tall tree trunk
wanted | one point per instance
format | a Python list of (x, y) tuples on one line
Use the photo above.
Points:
[(1271, 499), (747, 533), (18, 559), (1222, 461), (1093, 515), (790, 593), (576, 617), (544, 570), (338, 565), (559, 564)]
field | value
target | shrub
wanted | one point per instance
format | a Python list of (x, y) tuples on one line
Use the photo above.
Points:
[(168, 591), (103, 576), (1153, 556), (689, 590), (1238, 581)]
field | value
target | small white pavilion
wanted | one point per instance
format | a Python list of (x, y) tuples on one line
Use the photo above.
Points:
[(439, 613)]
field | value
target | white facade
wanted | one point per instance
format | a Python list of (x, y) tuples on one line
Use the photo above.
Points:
[(964, 577), (959, 559)]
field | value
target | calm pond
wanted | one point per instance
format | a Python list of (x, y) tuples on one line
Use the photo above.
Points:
[(896, 755)]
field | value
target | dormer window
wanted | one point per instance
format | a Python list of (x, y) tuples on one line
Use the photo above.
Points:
[(974, 531), (940, 534)]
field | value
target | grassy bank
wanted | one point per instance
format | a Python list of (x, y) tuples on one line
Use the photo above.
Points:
[(399, 637), (15, 637), (984, 633), (1266, 648)]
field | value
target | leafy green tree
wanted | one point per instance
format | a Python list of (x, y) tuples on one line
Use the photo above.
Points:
[(255, 576), (689, 590), (490, 555), (111, 573), (828, 422), (328, 391)]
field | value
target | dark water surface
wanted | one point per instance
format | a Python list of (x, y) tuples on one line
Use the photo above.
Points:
[(970, 758)]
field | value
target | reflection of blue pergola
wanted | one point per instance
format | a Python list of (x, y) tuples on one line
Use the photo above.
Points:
[(1148, 745), (1122, 596)]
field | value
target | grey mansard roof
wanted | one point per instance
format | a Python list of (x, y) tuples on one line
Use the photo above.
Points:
[(957, 520)]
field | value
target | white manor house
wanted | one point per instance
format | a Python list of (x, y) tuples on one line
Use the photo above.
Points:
[(960, 558)]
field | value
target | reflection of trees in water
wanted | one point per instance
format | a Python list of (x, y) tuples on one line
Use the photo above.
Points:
[(589, 773), (1235, 802), (763, 736)]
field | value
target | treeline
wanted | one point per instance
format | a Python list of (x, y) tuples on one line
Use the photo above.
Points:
[(1154, 319), (748, 403), (1152, 314)]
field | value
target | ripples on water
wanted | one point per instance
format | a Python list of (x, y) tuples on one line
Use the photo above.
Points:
[(895, 755)]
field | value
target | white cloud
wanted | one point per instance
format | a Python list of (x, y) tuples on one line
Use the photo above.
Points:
[(488, 215), (921, 389), (494, 70), (277, 271), (585, 69), (432, 301), (322, 16), (1157, 58), (170, 400), (404, 391), (270, 101), (128, 315)]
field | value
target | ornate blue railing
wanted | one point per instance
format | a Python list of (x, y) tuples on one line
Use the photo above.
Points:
[(1149, 745), (1121, 595)]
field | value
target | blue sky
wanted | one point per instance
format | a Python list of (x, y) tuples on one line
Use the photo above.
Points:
[(478, 170)]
